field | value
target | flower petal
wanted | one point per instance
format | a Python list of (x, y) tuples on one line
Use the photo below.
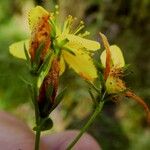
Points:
[(81, 63), (35, 15), (116, 56), (17, 49), (77, 42)]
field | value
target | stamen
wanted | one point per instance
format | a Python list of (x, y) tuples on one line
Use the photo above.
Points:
[(86, 33), (79, 27), (67, 24)]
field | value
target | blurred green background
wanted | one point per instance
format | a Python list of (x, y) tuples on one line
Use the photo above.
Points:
[(122, 125)]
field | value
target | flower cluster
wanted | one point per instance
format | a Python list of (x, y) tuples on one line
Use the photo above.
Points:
[(52, 46)]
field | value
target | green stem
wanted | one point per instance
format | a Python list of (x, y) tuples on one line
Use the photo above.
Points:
[(37, 139), (36, 106), (87, 125), (37, 116)]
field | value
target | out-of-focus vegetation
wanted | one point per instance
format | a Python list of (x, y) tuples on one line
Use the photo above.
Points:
[(125, 22)]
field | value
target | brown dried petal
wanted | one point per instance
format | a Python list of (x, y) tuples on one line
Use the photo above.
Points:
[(41, 34)]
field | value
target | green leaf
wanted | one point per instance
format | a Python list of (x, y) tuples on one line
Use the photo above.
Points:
[(46, 124), (25, 80)]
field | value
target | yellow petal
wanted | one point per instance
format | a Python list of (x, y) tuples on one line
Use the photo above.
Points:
[(62, 66), (77, 42), (17, 49), (116, 56), (81, 63), (35, 15)]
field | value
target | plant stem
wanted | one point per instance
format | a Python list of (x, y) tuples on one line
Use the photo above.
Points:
[(37, 117), (87, 125), (37, 139), (36, 106)]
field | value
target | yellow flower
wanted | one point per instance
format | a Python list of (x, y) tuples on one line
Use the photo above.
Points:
[(113, 61), (68, 44), (76, 51)]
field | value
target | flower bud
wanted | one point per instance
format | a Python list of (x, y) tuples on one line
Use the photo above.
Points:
[(48, 89)]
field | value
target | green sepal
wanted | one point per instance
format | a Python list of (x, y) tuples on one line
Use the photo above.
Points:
[(26, 54), (44, 65), (36, 61), (58, 99), (53, 31), (38, 53)]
